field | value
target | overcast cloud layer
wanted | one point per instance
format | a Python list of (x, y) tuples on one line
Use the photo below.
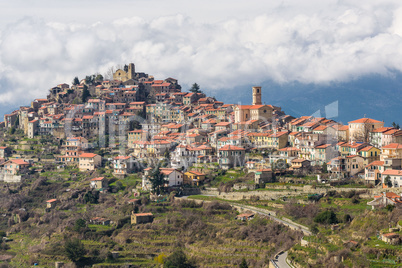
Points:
[(284, 43)]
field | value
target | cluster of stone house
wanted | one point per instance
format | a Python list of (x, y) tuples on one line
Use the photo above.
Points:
[(190, 127)]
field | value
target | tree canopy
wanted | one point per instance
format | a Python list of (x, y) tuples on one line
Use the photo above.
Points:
[(243, 264), (76, 81), (177, 259), (85, 94), (387, 181), (326, 217), (74, 249), (195, 88), (157, 180)]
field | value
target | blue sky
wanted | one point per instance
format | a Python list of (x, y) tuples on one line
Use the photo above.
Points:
[(219, 44)]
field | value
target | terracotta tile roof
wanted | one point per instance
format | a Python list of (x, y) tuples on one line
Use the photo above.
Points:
[(393, 146), (278, 134), (122, 157), (143, 214), (324, 146), (288, 149), (19, 162), (197, 173), (264, 170), (381, 129), (222, 124), (376, 163), (249, 107), (97, 179), (320, 128), (392, 172), (367, 148), (299, 160), (365, 121), (231, 148), (88, 155), (391, 235)]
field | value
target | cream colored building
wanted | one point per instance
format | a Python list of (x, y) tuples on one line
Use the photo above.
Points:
[(123, 76), (89, 161), (257, 111), (393, 150), (245, 113), (359, 130)]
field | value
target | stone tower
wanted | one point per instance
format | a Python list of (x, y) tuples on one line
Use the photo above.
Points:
[(131, 71), (257, 96)]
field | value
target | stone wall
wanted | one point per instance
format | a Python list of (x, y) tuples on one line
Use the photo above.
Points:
[(280, 191), (9, 178)]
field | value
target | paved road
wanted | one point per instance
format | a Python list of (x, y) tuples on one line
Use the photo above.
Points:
[(304, 229), (281, 260)]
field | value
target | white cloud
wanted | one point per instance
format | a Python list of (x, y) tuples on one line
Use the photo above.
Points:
[(284, 43)]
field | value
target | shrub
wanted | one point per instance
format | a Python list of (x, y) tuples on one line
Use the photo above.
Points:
[(326, 217), (177, 260), (79, 225), (74, 249), (243, 263)]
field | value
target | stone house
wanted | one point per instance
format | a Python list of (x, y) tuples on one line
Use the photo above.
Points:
[(263, 176), (391, 238), (51, 203), (138, 218), (231, 156), (98, 183), (4, 151), (99, 221), (300, 164)]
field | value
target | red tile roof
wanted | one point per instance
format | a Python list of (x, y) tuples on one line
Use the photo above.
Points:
[(376, 163), (393, 146), (392, 172), (231, 148), (365, 121), (88, 155), (19, 162), (97, 179)]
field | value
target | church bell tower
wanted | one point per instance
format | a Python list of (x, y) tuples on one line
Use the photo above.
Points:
[(257, 96), (131, 71)]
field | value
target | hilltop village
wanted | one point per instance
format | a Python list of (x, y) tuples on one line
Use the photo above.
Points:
[(139, 136)]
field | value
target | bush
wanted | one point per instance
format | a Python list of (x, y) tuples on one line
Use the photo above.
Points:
[(326, 217), (215, 205), (79, 225), (177, 260), (314, 229), (74, 249), (91, 197), (243, 263)]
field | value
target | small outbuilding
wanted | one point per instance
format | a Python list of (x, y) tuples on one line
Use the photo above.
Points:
[(245, 216), (137, 218)]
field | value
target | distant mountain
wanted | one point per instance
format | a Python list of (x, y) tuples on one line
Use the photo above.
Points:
[(8, 108), (374, 96)]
